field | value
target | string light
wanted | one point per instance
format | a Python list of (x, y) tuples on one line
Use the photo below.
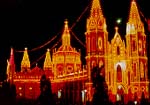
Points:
[(81, 14), (78, 39), (39, 47), (48, 42), (38, 59)]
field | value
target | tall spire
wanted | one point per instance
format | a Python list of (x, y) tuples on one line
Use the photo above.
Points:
[(11, 66), (11, 59), (66, 34), (8, 71), (134, 22), (47, 62), (96, 9), (96, 20), (134, 14), (25, 63)]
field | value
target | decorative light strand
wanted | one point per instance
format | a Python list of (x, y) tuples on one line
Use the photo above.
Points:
[(42, 56), (78, 39), (143, 17), (78, 19), (56, 44), (38, 59), (39, 47)]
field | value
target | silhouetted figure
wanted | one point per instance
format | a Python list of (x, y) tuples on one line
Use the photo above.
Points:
[(144, 101), (100, 96), (46, 96)]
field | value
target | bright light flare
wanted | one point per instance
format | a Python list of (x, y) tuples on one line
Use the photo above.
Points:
[(119, 20)]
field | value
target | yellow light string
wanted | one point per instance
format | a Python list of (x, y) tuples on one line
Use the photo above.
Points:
[(34, 49), (81, 15), (143, 16), (44, 53), (37, 48), (78, 39), (38, 59), (44, 44), (56, 44)]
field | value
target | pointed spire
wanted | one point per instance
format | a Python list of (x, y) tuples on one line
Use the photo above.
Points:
[(11, 66), (96, 9), (66, 34), (11, 59), (116, 29), (134, 22), (117, 38), (8, 70), (116, 32), (134, 14), (96, 21), (25, 63), (47, 62)]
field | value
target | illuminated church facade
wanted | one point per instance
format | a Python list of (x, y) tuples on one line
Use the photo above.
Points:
[(125, 62)]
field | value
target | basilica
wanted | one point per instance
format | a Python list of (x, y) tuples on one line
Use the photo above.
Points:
[(125, 62)]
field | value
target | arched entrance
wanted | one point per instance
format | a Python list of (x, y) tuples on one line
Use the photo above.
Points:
[(120, 94)]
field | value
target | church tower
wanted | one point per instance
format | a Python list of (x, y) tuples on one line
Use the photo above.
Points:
[(136, 52), (96, 40), (125, 62), (96, 36)]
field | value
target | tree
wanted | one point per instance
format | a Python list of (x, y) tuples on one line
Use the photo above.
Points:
[(100, 96), (46, 96)]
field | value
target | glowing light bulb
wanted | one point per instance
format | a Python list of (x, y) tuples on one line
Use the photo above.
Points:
[(118, 20)]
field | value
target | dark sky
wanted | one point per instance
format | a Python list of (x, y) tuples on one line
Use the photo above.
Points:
[(32, 23)]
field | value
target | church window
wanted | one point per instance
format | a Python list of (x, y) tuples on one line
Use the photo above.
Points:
[(119, 74), (70, 69), (118, 50), (60, 71), (142, 69), (133, 46), (134, 69), (93, 44), (100, 43), (140, 45)]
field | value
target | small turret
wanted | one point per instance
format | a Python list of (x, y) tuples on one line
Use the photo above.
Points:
[(11, 67), (48, 61), (25, 63), (66, 34)]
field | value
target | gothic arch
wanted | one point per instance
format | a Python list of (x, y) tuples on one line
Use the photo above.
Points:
[(119, 73)]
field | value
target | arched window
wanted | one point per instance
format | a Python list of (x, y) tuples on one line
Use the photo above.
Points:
[(134, 45), (118, 50), (119, 74), (60, 71)]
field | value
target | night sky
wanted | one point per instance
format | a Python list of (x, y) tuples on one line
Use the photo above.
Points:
[(32, 23)]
